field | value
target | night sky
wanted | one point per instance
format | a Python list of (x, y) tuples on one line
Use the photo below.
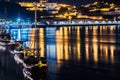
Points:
[(60, 1), (72, 2)]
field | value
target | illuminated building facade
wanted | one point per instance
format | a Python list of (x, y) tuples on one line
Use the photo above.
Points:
[(43, 1)]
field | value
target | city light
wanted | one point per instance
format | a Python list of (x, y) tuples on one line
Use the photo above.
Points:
[(59, 39)]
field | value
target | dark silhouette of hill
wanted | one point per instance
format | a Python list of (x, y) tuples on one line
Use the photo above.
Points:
[(10, 10)]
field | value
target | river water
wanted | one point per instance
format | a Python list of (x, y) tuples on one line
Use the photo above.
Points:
[(72, 52)]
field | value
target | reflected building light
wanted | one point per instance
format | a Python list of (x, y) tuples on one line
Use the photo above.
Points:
[(74, 56), (112, 48), (101, 52), (101, 27), (66, 51), (59, 52), (78, 44), (112, 29), (95, 53), (94, 30), (101, 30), (41, 42), (19, 34), (51, 51), (66, 43), (65, 33), (70, 47), (52, 67), (86, 30), (32, 38), (111, 32), (78, 33), (105, 48), (87, 52), (50, 43), (69, 29), (59, 45), (78, 50), (94, 34), (90, 27), (104, 27)]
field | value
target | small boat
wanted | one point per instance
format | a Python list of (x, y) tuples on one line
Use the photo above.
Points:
[(2, 48), (15, 47), (4, 39), (32, 61), (27, 74), (15, 51), (35, 73), (5, 36), (19, 58), (29, 60)]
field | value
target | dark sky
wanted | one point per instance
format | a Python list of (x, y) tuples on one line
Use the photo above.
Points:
[(73, 2), (62, 1)]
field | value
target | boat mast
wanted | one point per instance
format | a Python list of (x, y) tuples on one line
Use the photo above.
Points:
[(35, 5), (36, 32)]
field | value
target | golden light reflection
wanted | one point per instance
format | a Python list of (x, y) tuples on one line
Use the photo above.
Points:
[(112, 48), (95, 46), (66, 43), (33, 40), (95, 52), (59, 44), (64, 47), (111, 29), (100, 51), (95, 34), (111, 32), (41, 42), (78, 44), (95, 30), (63, 44), (86, 30), (105, 49), (87, 52), (101, 30), (105, 53)]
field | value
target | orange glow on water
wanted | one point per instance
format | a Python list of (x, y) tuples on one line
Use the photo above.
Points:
[(67, 47)]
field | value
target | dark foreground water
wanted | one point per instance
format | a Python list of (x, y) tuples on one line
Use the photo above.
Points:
[(72, 53), (9, 70)]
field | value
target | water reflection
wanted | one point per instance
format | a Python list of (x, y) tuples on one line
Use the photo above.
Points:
[(87, 46), (7, 70)]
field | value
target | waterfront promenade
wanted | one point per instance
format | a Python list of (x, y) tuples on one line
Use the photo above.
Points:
[(60, 23)]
